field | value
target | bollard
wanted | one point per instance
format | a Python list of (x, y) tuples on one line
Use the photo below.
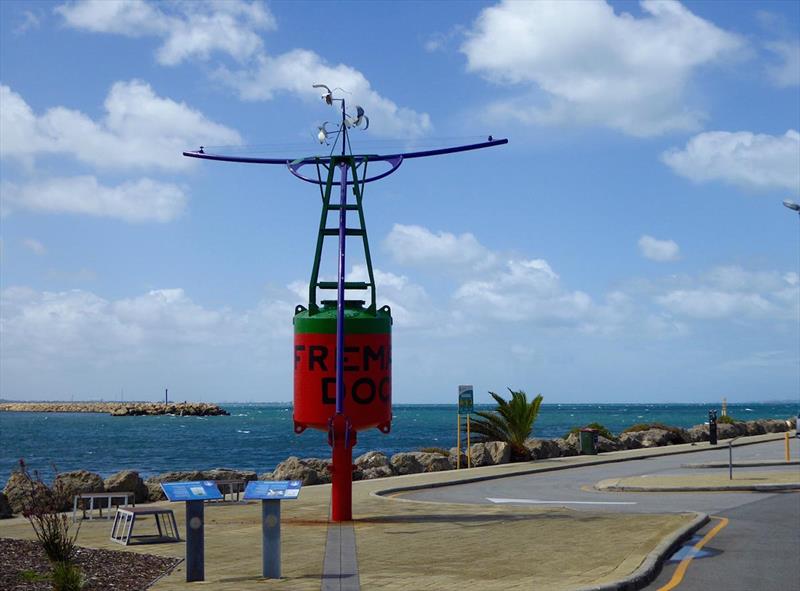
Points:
[(271, 538), (195, 550), (712, 427), (788, 456)]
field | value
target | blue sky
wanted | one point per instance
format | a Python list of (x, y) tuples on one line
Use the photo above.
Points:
[(628, 244)]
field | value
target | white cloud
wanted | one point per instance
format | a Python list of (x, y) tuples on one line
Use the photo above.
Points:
[(143, 200), (734, 292), (416, 245), (785, 71), (659, 250), (140, 130), (296, 71), (525, 290), (596, 66), (756, 161), (34, 246), (80, 324), (188, 29), (30, 21)]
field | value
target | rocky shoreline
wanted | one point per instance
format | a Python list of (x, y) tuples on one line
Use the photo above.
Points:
[(120, 409), (376, 464)]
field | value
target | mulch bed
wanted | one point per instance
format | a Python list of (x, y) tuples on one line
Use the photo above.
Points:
[(102, 569)]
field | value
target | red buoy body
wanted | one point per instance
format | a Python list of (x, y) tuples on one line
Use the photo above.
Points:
[(367, 368)]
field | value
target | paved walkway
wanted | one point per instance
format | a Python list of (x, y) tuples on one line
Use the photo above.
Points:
[(418, 545)]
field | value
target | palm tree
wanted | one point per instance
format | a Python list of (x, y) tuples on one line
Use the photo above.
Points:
[(511, 422)]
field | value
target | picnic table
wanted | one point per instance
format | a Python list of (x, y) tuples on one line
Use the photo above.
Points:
[(108, 496)]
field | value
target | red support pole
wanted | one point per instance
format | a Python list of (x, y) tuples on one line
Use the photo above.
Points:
[(342, 469)]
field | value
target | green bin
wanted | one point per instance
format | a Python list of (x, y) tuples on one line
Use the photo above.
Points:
[(588, 441)]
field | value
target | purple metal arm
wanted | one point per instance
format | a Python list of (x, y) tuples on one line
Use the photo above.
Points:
[(326, 159)]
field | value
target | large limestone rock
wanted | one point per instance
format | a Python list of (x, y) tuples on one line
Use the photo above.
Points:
[(650, 438), (568, 446), (127, 481), (19, 491), (321, 466), (406, 463), (433, 462), (69, 484), (605, 445), (307, 470), (5, 507), (490, 453), (455, 456), (373, 464), (153, 484), (697, 434), (229, 474), (266, 476), (542, 449)]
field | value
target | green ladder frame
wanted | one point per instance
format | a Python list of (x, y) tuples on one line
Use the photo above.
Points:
[(324, 231)]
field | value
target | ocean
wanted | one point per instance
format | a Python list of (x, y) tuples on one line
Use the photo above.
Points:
[(258, 436)]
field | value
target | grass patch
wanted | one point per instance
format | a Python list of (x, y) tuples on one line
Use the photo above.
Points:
[(31, 576), (601, 430)]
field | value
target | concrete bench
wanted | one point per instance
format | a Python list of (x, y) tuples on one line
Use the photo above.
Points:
[(91, 497)]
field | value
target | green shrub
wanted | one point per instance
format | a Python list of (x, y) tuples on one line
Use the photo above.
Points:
[(647, 426), (67, 577), (601, 430), (511, 422), (727, 420), (42, 508)]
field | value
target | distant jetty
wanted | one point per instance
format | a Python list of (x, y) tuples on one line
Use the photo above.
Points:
[(120, 409)]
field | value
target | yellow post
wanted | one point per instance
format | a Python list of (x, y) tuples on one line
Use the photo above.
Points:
[(788, 457), (469, 451), (458, 442)]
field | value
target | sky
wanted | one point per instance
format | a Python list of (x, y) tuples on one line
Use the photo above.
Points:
[(628, 244)]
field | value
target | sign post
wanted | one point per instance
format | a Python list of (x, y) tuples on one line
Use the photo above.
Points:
[(270, 493), (465, 407), (193, 494)]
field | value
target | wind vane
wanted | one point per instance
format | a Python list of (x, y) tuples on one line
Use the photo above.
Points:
[(358, 338)]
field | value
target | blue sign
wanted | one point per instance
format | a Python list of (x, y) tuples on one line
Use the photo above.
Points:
[(273, 489), (203, 490), (465, 400)]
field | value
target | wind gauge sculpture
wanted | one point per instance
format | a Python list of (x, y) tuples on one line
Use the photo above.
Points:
[(342, 348)]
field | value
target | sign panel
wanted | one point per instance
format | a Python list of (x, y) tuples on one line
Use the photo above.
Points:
[(273, 489), (201, 490), (465, 400)]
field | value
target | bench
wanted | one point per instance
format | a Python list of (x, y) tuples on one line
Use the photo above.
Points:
[(229, 487), (125, 519), (108, 496)]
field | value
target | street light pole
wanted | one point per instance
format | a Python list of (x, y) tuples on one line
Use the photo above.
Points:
[(796, 208)]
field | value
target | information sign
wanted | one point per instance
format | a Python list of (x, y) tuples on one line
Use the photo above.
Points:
[(273, 489), (465, 400), (201, 490)]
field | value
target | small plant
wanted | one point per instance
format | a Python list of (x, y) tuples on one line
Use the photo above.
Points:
[(67, 577), (511, 422), (601, 430), (727, 420), (31, 576), (41, 507)]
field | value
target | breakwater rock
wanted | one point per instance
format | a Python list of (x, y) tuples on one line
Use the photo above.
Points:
[(120, 409)]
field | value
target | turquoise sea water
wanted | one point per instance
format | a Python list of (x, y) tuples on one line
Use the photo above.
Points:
[(258, 436)]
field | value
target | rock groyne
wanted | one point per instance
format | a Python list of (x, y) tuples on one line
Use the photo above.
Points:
[(120, 409)]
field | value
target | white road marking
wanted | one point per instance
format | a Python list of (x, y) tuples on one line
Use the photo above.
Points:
[(537, 502)]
